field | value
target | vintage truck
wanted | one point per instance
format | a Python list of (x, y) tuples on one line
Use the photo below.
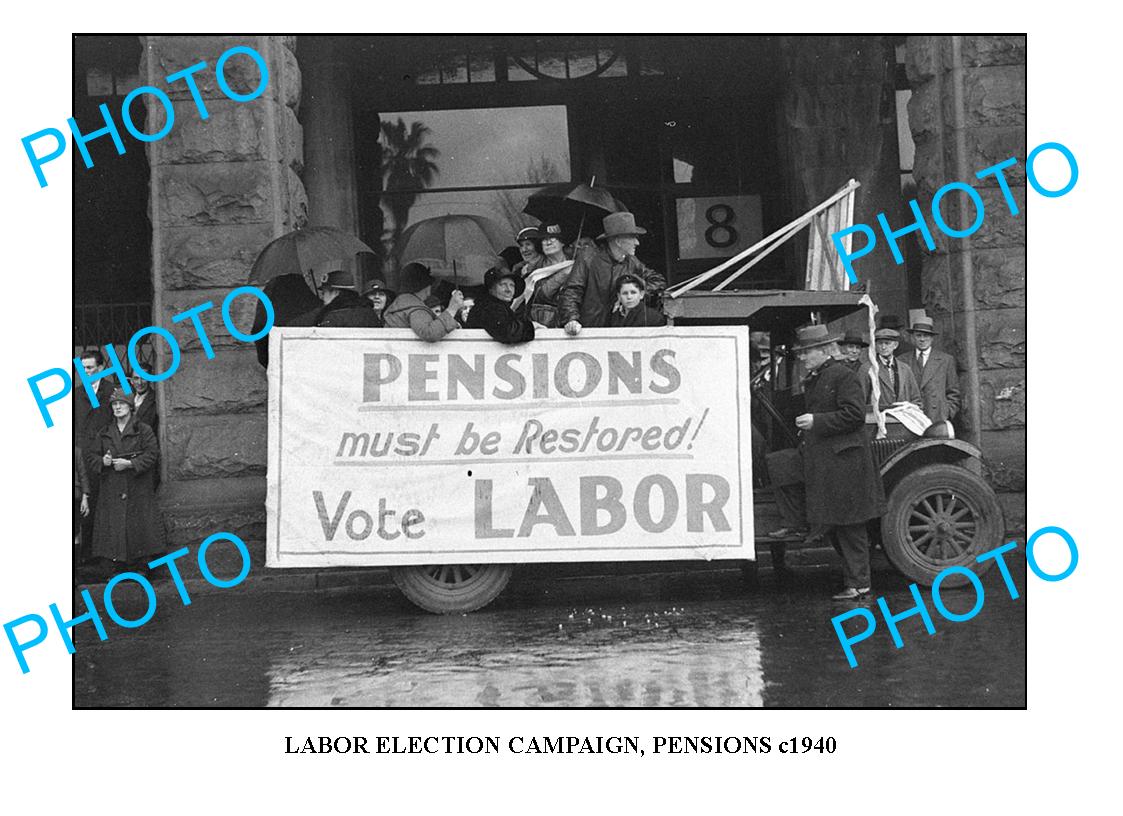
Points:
[(941, 512)]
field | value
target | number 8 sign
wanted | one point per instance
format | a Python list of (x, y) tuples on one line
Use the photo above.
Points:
[(717, 226)]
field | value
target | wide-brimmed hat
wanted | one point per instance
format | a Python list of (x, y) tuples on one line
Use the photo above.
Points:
[(498, 273), (378, 285), (120, 396), (552, 231), (413, 277), (854, 339), (621, 223), (886, 334), (923, 325), (528, 234), (812, 336), (333, 273)]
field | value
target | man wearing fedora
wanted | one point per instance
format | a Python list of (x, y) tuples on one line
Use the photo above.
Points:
[(843, 486), (590, 292), (894, 375), (935, 372)]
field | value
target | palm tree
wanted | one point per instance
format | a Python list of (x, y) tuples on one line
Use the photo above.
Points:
[(408, 167)]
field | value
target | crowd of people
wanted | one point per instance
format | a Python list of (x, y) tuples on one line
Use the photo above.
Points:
[(542, 282), (829, 487)]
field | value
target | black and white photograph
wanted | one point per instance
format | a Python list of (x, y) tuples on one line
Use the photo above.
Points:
[(506, 391), (564, 395)]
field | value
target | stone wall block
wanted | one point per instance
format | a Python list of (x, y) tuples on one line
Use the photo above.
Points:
[(1004, 459), (994, 50), (213, 194), (1000, 278), (175, 53), (242, 310), (986, 147), (1002, 399), (923, 58), (204, 447), (925, 113), (187, 527), (235, 132), (940, 293), (1000, 228), (231, 383), (1001, 338), (994, 97), (206, 257)]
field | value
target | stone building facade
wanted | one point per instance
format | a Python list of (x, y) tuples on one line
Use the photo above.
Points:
[(222, 188), (967, 113)]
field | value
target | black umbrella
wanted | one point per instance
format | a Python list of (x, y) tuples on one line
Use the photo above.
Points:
[(296, 252), (573, 206)]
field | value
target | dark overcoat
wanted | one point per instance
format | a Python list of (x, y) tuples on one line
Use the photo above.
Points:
[(843, 485), (590, 289), (127, 523), (939, 385), (642, 315), (495, 316), (146, 412), (88, 421), (906, 391)]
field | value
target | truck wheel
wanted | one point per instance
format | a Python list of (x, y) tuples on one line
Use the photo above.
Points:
[(940, 516), (447, 589)]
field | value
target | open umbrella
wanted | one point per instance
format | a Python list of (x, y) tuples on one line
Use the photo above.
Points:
[(573, 206), (296, 252), (459, 247)]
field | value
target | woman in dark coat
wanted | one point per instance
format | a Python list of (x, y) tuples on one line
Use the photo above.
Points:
[(630, 310), (127, 524), (492, 310)]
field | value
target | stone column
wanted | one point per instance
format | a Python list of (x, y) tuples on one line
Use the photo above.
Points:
[(992, 73), (221, 188), (837, 123), (329, 138)]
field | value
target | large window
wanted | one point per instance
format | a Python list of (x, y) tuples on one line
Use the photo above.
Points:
[(477, 124), (482, 162)]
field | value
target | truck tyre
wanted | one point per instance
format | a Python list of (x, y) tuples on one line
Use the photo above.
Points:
[(940, 516), (448, 589)]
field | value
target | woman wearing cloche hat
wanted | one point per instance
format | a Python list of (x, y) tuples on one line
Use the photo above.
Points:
[(127, 526)]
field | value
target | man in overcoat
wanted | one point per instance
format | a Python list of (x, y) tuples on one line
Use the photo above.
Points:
[(590, 291), (935, 372), (843, 486), (894, 375)]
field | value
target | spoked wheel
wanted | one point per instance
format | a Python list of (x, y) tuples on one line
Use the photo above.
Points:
[(940, 516), (448, 589)]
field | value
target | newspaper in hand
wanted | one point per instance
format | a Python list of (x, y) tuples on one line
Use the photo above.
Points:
[(911, 416)]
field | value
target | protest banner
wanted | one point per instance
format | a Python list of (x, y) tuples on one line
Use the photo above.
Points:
[(624, 445)]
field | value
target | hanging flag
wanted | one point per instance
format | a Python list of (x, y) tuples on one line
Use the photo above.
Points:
[(825, 271)]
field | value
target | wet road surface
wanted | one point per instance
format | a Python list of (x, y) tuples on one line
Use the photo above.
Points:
[(695, 639)]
